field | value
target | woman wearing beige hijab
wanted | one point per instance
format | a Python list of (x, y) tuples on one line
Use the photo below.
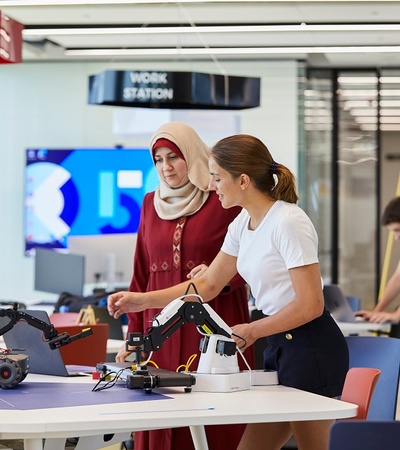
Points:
[(182, 225)]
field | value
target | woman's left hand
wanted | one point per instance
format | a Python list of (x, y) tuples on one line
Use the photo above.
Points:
[(197, 271), (243, 336)]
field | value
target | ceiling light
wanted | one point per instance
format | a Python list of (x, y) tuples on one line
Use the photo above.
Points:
[(390, 103), (230, 51), (206, 29), (357, 80), (389, 127), (389, 92), (360, 104), (389, 80), (369, 93), (363, 112), (139, 2), (389, 112)]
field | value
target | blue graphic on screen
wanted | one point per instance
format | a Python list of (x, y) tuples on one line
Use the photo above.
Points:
[(82, 192)]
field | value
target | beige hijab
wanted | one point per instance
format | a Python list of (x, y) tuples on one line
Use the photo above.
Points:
[(186, 200)]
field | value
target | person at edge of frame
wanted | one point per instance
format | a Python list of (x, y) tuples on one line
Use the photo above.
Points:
[(380, 314)]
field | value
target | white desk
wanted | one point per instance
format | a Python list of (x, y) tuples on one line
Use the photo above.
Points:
[(363, 328), (113, 345), (196, 409)]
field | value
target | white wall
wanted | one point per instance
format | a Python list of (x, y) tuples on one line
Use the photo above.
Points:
[(45, 105)]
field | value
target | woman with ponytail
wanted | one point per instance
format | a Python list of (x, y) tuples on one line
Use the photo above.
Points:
[(273, 245)]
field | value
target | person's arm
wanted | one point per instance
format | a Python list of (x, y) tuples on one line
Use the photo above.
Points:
[(378, 314), (391, 291), (307, 305), (220, 271)]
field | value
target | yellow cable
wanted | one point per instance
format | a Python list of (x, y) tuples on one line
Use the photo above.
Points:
[(188, 363), (134, 366), (154, 363)]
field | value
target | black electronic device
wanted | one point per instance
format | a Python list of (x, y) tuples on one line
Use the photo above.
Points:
[(14, 366), (148, 377)]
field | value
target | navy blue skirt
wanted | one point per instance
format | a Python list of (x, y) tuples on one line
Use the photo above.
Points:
[(313, 357)]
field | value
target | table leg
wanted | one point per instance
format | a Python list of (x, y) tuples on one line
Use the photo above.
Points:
[(55, 444), (33, 444), (199, 437)]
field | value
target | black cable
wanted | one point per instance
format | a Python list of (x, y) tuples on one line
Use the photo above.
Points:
[(241, 338), (191, 284), (109, 383)]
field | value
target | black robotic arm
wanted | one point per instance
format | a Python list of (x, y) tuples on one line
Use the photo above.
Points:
[(14, 366), (54, 339)]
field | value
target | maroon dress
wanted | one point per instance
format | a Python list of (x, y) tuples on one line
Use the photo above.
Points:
[(166, 251)]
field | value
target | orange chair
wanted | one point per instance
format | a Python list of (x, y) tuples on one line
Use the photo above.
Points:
[(359, 386), (87, 351)]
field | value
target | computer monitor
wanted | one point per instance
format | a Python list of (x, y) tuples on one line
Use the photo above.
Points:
[(57, 272), (105, 254), (83, 192)]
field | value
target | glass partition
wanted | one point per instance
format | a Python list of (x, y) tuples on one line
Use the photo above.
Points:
[(357, 159), (341, 165), (317, 183)]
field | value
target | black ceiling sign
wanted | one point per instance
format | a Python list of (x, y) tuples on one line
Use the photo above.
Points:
[(173, 90)]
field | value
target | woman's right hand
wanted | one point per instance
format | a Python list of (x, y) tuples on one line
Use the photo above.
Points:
[(124, 302), (378, 316)]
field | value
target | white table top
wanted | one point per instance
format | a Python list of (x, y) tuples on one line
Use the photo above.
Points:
[(259, 404), (363, 328), (113, 345)]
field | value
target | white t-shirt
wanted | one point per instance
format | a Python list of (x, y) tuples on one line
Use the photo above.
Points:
[(286, 238)]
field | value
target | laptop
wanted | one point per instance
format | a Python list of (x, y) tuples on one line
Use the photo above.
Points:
[(338, 305), (28, 340)]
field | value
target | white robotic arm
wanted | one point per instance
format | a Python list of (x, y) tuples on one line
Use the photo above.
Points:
[(218, 349)]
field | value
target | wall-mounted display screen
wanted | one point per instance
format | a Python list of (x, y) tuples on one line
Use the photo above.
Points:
[(83, 192)]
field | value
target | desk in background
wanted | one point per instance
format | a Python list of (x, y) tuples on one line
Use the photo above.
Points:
[(364, 328), (196, 409)]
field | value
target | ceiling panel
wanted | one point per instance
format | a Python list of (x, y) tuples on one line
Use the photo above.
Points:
[(51, 46)]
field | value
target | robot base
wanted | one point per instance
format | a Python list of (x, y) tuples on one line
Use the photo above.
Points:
[(264, 377), (233, 382), (221, 382)]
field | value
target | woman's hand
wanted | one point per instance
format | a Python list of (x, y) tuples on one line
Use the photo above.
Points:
[(124, 302), (122, 354), (197, 271), (378, 316), (242, 334)]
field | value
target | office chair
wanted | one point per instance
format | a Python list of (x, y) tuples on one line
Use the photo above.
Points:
[(359, 387), (384, 354), (364, 435), (87, 351)]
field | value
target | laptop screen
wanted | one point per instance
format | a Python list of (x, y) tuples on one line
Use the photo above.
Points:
[(28, 340)]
